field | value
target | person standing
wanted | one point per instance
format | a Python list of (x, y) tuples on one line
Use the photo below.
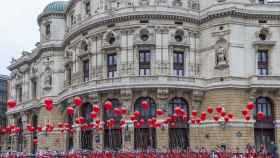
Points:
[(272, 149)]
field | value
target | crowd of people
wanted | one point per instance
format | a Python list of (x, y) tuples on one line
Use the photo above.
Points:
[(221, 151)]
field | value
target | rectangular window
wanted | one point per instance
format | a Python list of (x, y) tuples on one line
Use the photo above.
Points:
[(144, 63), (112, 65), (19, 93), (69, 75), (87, 8), (262, 62), (261, 1), (178, 63), (34, 89), (86, 70), (48, 29)]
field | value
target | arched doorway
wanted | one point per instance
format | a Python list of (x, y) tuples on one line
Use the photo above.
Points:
[(86, 135), (145, 137), (35, 134), (178, 136), (264, 129), (113, 136)]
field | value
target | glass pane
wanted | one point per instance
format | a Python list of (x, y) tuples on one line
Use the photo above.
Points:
[(148, 57), (142, 57)]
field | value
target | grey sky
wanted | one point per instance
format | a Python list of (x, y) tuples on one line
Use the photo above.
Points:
[(18, 28)]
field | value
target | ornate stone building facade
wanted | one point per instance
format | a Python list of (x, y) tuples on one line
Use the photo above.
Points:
[(191, 53)]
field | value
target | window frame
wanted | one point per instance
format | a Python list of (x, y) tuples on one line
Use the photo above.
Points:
[(112, 65), (86, 70), (144, 62), (262, 62), (179, 63)]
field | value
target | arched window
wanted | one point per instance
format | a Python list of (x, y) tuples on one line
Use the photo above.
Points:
[(145, 137), (178, 136), (264, 130), (34, 136), (86, 136), (19, 136), (113, 136)]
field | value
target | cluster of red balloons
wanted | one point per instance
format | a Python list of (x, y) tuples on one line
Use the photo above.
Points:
[(220, 113), (246, 112)]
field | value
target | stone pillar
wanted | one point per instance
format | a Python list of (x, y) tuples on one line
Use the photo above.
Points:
[(128, 132), (162, 133)]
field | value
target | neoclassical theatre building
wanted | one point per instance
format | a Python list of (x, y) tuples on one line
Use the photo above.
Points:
[(188, 53)]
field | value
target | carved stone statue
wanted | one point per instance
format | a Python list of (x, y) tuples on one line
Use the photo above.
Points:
[(48, 78), (221, 58), (68, 52)]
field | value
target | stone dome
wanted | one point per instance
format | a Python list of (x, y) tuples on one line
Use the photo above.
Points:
[(58, 6)]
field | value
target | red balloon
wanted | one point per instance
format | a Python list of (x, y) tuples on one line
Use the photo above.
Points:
[(122, 122), (96, 108), (209, 109), (142, 121), (132, 117), (39, 129), (35, 141), (137, 113), (250, 105), (178, 110), (194, 113), (97, 121), (11, 103), (260, 115), (247, 117), (230, 116), (117, 111), (172, 125), (223, 113), (198, 121), (60, 125), (48, 101), (203, 116), (31, 129), (108, 105), (245, 112), (124, 110), (150, 121), (80, 120), (28, 125), (216, 118), (77, 101), (226, 118), (93, 114), (49, 107), (159, 112), (17, 129), (145, 105), (219, 109), (137, 125), (70, 110), (193, 121)]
